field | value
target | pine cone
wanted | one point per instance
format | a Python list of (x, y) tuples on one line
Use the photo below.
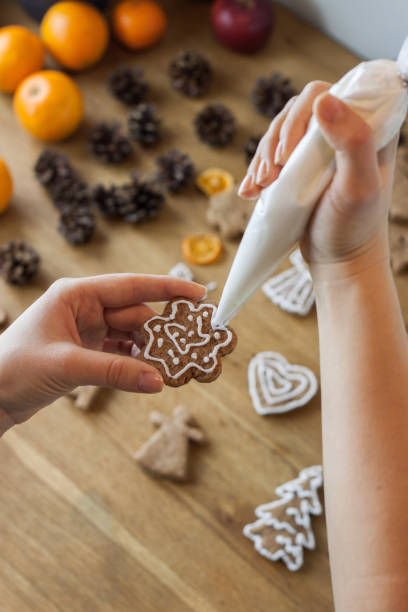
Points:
[(134, 202), (107, 143), (51, 167), (190, 73), (215, 125), (18, 263), (110, 200), (250, 147), (144, 125), (270, 94), (77, 224), (175, 170), (128, 84), (69, 192), (144, 201)]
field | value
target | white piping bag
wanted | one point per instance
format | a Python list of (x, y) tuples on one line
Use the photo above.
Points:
[(378, 92)]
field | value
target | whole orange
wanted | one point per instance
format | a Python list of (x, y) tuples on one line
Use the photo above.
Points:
[(139, 24), (6, 186), (21, 53), (75, 33), (49, 105)]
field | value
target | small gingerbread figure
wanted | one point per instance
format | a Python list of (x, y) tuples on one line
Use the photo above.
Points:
[(229, 213), (165, 454)]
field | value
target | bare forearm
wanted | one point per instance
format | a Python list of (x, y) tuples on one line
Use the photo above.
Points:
[(364, 371)]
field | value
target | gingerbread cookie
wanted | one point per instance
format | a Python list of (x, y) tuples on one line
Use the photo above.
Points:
[(292, 290), (277, 386), (165, 453), (398, 247), (284, 528), (229, 213), (399, 202), (182, 344)]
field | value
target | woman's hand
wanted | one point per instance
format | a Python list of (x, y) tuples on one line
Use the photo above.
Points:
[(80, 332), (351, 217)]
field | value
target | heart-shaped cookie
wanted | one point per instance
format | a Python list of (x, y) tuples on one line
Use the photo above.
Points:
[(277, 386)]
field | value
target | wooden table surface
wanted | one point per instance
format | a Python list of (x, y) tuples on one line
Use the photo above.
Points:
[(82, 527)]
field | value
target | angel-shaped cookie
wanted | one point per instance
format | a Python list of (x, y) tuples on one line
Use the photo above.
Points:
[(283, 528), (182, 344), (165, 454), (292, 289)]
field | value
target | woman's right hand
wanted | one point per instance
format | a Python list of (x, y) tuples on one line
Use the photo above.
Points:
[(350, 220)]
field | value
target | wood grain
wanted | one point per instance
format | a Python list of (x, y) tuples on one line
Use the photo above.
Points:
[(83, 528)]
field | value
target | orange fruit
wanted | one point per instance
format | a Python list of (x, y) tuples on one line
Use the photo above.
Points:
[(139, 24), (201, 248), (49, 105), (21, 53), (215, 180), (6, 186), (75, 33)]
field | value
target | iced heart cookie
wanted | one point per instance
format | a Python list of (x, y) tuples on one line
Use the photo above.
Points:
[(182, 344), (277, 386)]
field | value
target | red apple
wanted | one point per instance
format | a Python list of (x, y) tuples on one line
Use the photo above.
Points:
[(243, 25)]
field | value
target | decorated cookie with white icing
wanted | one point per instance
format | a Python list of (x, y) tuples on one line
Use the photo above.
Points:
[(292, 290), (182, 344), (284, 528), (277, 386)]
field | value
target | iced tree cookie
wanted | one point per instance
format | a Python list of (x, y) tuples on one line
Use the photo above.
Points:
[(283, 529), (182, 344)]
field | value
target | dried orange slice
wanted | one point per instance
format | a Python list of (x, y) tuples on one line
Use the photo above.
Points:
[(201, 249), (215, 180)]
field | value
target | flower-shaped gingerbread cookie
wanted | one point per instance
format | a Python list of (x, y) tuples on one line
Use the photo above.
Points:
[(182, 344)]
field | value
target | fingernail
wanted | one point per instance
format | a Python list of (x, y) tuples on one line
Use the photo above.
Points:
[(262, 170), (246, 183), (278, 155), (331, 109), (204, 296), (150, 382)]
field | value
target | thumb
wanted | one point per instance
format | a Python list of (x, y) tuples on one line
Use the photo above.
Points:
[(352, 139), (87, 367)]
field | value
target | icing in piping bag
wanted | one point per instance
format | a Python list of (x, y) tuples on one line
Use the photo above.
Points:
[(378, 92)]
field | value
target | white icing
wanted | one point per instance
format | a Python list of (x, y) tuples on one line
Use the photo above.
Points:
[(292, 544), (167, 324), (276, 386), (182, 271), (160, 342), (292, 290), (217, 335), (176, 360)]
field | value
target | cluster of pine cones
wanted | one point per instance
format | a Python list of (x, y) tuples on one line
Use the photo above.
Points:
[(137, 200)]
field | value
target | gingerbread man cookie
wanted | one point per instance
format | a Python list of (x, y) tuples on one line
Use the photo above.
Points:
[(229, 213), (182, 344)]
